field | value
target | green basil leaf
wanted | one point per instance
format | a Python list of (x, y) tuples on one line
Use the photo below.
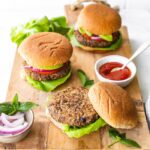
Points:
[(84, 79), (113, 133), (130, 142), (82, 76), (89, 83), (7, 108), (15, 101), (121, 137), (15, 106), (116, 141), (25, 106)]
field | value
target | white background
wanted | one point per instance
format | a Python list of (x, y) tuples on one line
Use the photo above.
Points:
[(135, 14)]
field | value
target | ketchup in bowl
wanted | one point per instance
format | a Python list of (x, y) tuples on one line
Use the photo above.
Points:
[(106, 71)]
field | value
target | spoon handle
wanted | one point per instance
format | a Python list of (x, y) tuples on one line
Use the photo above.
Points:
[(141, 49)]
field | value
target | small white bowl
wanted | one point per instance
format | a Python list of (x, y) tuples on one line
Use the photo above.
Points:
[(115, 58), (18, 137)]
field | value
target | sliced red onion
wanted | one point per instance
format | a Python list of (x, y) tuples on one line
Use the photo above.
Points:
[(18, 115), (28, 67), (19, 129), (13, 124), (95, 38), (1, 123), (37, 70)]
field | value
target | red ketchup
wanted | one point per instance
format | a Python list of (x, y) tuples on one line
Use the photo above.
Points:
[(105, 71)]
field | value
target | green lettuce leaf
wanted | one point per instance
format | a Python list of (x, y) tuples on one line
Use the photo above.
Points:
[(20, 32), (74, 42), (59, 25), (79, 132), (61, 21), (47, 85)]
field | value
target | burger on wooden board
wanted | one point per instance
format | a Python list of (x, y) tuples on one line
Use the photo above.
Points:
[(97, 28), (77, 111), (46, 56)]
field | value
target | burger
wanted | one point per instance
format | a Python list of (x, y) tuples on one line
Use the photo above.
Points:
[(46, 56), (77, 111), (97, 28)]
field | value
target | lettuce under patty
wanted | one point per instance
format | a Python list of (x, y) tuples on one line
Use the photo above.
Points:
[(75, 132), (47, 85), (74, 42)]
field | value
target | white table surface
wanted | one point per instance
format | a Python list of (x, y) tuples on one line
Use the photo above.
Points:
[(14, 12)]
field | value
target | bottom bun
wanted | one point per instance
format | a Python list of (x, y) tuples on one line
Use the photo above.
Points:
[(91, 49), (57, 124)]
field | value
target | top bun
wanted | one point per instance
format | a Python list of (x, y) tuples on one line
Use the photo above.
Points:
[(114, 105), (99, 19), (45, 49)]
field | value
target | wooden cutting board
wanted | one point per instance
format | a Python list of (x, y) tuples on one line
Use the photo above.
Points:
[(44, 135)]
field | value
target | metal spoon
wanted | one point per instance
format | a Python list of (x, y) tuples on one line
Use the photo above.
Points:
[(141, 49)]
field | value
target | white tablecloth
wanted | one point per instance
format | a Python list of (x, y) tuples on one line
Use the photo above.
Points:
[(13, 12)]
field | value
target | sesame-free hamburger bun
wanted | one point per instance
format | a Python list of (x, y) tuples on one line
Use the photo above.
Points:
[(45, 49), (114, 105), (99, 19)]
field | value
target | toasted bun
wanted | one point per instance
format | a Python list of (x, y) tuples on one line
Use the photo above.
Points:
[(57, 124), (99, 19), (45, 49), (87, 48), (114, 105)]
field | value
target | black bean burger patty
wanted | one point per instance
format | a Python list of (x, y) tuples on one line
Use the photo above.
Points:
[(72, 106), (93, 43), (47, 77)]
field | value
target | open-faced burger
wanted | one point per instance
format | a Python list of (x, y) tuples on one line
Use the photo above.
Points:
[(78, 112)]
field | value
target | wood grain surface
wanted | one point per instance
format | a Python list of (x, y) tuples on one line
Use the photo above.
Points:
[(44, 135)]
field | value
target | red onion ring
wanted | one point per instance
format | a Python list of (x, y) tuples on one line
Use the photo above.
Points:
[(19, 129), (13, 124), (14, 117), (95, 38)]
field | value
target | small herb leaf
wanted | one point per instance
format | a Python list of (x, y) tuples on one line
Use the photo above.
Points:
[(26, 106), (82, 76), (6, 108), (15, 101), (84, 79), (89, 83), (15, 106), (130, 142), (121, 137)]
